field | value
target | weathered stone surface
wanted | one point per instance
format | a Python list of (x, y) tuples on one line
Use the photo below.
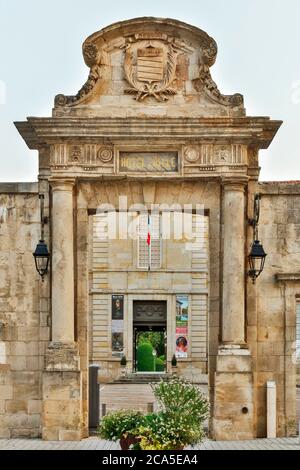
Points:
[(69, 435), (124, 108)]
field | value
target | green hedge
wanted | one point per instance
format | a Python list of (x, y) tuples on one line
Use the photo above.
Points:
[(159, 365), (145, 359)]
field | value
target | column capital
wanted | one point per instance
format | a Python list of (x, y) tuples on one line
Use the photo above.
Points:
[(231, 183), (62, 184)]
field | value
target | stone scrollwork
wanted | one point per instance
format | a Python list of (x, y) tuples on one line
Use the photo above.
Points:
[(92, 57), (152, 65), (206, 84), (91, 54), (105, 154), (209, 51)]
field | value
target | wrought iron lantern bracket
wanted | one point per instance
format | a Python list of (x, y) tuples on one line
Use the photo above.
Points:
[(257, 255)]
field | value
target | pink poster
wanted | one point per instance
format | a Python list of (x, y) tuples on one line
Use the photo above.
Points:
[(182, 304)]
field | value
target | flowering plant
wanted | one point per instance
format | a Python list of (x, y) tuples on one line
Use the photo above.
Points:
[(177, 396), (166, 431), (121, 423), (180, 420)]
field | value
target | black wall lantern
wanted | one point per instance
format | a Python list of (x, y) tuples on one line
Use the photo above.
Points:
[(41, 254), (257, 255)]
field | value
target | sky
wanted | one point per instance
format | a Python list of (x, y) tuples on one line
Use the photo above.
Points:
[(258, 56)]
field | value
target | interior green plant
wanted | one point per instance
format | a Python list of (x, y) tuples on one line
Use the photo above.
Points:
[(159, 365), (156, 338), (145, 359), (121, 423)]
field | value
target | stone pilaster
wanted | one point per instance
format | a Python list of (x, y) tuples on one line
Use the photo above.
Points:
[(62, 261), (233, 319), (62, 377), (233, 395)]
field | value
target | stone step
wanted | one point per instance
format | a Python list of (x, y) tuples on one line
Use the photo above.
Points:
[(137, 396), (141, 378)]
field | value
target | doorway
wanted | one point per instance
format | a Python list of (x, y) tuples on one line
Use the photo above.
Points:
[(149, 336)]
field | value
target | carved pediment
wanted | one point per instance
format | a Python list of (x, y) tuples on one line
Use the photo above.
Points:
[(149, 60)]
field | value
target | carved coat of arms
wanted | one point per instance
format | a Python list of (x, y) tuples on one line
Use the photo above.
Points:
[(150, 69)]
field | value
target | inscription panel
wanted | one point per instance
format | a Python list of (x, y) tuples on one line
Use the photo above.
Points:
[(151, 162)]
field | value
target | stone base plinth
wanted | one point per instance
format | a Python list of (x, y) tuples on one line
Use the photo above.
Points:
[(61, 416), (233, 396)]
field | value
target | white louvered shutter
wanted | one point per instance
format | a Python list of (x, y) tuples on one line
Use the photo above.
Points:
[(155, 241), (155, 247), (143, 249)]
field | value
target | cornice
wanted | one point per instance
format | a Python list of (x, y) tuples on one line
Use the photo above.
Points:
[(287, 277), (258, 131)]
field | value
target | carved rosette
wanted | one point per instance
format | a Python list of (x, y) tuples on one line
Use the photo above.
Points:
[(192, 154), (88, 156), (105, 154), (208, 154)]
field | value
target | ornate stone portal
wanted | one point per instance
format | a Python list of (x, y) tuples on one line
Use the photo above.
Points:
[(151, 125)]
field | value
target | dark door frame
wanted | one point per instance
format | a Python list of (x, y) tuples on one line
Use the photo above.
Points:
[(137, 328), (155, 320)]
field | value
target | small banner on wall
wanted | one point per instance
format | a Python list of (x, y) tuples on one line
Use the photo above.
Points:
[(117, 323), (182, 316)]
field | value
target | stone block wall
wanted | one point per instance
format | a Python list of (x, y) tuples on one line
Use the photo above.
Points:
[(24, 330), (61, 402), (272, 304)]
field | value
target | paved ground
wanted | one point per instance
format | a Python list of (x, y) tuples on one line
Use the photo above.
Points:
[(138, 396), (97, 444)]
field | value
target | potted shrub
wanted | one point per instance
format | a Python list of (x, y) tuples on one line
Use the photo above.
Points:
[(167, 431), (123, 363), (174, 364), (180, 422), (121, 425), (183, 410)]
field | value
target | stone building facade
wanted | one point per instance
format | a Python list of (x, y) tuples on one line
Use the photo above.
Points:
[(149, 129)]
